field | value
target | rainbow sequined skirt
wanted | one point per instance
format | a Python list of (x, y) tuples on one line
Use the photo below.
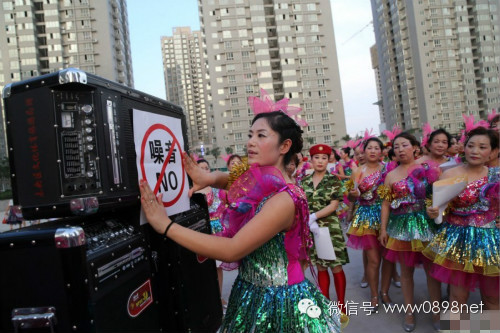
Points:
[(363, 231), (409, 234), (254, 308), (466, 256)]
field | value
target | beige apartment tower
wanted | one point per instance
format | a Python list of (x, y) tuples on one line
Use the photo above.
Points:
[(285, 47), (185, 81), (438, 59), (43, 36), (379, 102)]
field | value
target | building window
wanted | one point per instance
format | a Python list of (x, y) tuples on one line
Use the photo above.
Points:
[(235, 113), (229, 56), (233, 90), (326, 127)]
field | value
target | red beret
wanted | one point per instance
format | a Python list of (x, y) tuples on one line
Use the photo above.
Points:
[(320, 149)]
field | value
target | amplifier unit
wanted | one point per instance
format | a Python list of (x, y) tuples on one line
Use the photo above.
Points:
[(71, 143), (81, 274)]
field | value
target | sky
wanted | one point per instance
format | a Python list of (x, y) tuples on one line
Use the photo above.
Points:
[(149, 20)]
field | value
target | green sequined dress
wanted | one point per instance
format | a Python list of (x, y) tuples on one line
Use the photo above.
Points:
[(265, 299)]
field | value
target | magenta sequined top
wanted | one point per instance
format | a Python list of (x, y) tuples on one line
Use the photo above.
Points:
[(246, 196), (477, 204), (302, 172), (368, 188), (404, 201), (409, 193)]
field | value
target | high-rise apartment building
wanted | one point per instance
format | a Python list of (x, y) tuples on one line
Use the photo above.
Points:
[(286, 47), (185, 81), (438, 59), (43, 36), (379, 102)]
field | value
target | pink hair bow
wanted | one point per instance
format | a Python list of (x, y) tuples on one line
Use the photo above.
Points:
[(368, 134), (426, 133), (226, 157), (392, 134), (470, 125), (266, 104), (352, 144)]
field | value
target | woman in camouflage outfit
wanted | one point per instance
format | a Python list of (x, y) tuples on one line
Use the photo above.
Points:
[(324, 191)]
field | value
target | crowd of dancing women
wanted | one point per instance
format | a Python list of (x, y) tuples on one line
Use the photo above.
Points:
[(269, 210)]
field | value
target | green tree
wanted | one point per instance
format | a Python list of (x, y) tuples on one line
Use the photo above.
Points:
[(229, 150), (310, 140), (215, 152), (346, 138)]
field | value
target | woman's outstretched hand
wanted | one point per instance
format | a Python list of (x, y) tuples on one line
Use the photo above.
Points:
[(153, 208), (200, 177)]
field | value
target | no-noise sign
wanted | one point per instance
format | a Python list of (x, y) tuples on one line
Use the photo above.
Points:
[(158, 146)]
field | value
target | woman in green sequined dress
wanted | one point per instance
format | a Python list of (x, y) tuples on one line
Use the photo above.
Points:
[(265, 230)]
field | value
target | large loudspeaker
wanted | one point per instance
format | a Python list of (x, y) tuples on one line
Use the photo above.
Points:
[(71, 143), (71, 151), (78, 275), (187, 284)]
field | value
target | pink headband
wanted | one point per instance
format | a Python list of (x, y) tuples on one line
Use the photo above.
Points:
[(266, 104)]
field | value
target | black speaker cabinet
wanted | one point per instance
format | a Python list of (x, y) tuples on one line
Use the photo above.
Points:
[(71, 144), (77, 275), (188, 289)]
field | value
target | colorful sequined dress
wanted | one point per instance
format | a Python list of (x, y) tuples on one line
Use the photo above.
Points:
[(365, 224), (216, 200), (343, 208), (302, 172), (271, 293), (466, 250), (409, 228)]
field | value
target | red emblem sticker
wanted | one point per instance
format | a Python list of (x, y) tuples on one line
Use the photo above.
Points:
[(140, 299), (201, 259)]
